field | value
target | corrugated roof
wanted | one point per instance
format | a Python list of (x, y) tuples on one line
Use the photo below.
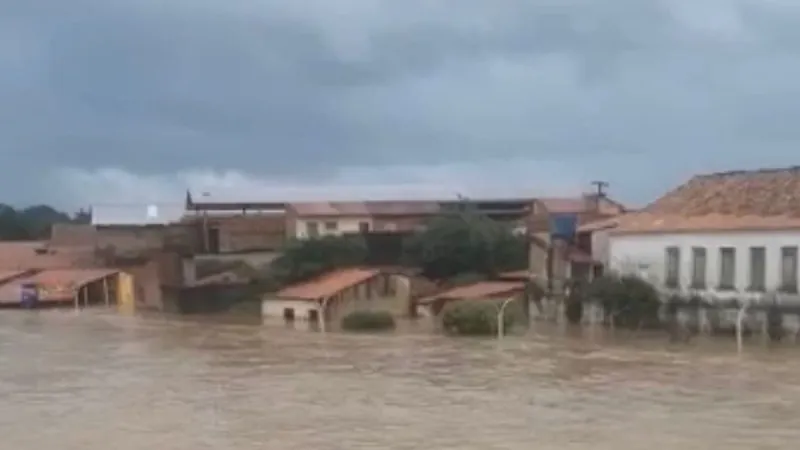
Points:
[(54, 285), (137, 214), (328, 284), (479, 290)]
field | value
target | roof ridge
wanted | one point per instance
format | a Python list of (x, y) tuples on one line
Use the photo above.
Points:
[(731, 173)]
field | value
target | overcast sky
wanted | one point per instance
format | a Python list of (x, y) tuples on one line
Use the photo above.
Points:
[(136, 100)]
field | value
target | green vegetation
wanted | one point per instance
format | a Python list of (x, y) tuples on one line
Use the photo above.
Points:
[(307, 258), (474, 318), (463, 246), (34, 222), (465, 243), (628, 301), (368, 321)]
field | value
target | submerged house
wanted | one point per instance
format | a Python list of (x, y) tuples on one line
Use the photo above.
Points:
[(432, 305), (332, 295), (722, 235)]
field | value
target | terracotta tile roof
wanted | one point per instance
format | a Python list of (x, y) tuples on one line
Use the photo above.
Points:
[(402, 208), (601, 224), (479, 290), (655, 223), (6, 275), (54, 285), (365, 208), (328, 284), (728, 201), (581, 204)]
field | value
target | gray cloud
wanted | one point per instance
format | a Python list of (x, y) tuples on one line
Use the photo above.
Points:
[(640, 92)]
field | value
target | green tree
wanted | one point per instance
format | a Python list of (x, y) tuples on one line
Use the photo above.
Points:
[(628, 300), (30, 223), (304, 259), (465, 242)]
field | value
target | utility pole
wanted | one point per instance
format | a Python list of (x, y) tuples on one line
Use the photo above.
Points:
[(600, 187)]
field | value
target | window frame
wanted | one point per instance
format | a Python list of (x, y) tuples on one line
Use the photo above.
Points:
[(699, 271), (753, 286), (723, 285), (789, 286), (672, 280)]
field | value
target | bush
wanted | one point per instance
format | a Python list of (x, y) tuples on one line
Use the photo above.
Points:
[(628, 301), (473, 318), (368, 321)]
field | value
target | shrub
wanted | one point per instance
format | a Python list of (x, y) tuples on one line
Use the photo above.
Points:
[(368, 321), (473, 318), (628, 300)]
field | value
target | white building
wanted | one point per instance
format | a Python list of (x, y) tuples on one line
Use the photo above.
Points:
[(726, 235), (310, 220)]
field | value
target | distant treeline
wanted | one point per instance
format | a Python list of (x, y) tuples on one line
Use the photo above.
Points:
[(34, 222)]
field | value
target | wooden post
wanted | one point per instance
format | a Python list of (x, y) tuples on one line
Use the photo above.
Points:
[(86, 296), (105, 291)]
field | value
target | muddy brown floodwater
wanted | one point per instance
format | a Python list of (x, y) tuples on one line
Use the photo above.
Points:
[(98, 380)]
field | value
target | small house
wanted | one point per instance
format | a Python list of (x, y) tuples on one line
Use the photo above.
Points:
[(332, 295), (432, 305)]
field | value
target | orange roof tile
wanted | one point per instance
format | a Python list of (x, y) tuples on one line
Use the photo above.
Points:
[(365, 208), (54, 284), (6, 275), (728, 201), (328, 284), (479, 290)]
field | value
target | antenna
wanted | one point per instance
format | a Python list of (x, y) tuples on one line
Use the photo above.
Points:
[(600, 187)]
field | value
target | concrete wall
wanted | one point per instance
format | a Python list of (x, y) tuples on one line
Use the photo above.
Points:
[(343, 225), (645, 255), (600, 246)]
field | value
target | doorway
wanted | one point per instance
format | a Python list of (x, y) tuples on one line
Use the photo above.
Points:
[(313, 315), (213, 240)]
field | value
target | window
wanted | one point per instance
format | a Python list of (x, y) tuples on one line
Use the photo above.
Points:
[(789, 270), (331, 226), (313, 229), (673, 266), (758, 269), (288, 314), (727, 268), (698, 268), (363, 227)]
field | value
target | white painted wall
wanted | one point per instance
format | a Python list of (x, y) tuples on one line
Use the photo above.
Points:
[(600, 246), (343, 225), (645, 254)]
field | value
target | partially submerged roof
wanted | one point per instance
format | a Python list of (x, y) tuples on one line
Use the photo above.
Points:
[(479, 290), (754, 200), (328, 284), (54, 285)]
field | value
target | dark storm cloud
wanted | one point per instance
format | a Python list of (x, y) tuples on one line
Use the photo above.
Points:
[(298, 88)]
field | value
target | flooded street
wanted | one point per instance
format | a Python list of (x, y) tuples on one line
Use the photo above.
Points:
[(98, 380)]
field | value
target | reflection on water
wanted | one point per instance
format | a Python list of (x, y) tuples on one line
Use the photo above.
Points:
[(94, 380)]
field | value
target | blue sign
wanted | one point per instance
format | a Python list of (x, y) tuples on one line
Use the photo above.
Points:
[(563, 226), (29, 295)]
